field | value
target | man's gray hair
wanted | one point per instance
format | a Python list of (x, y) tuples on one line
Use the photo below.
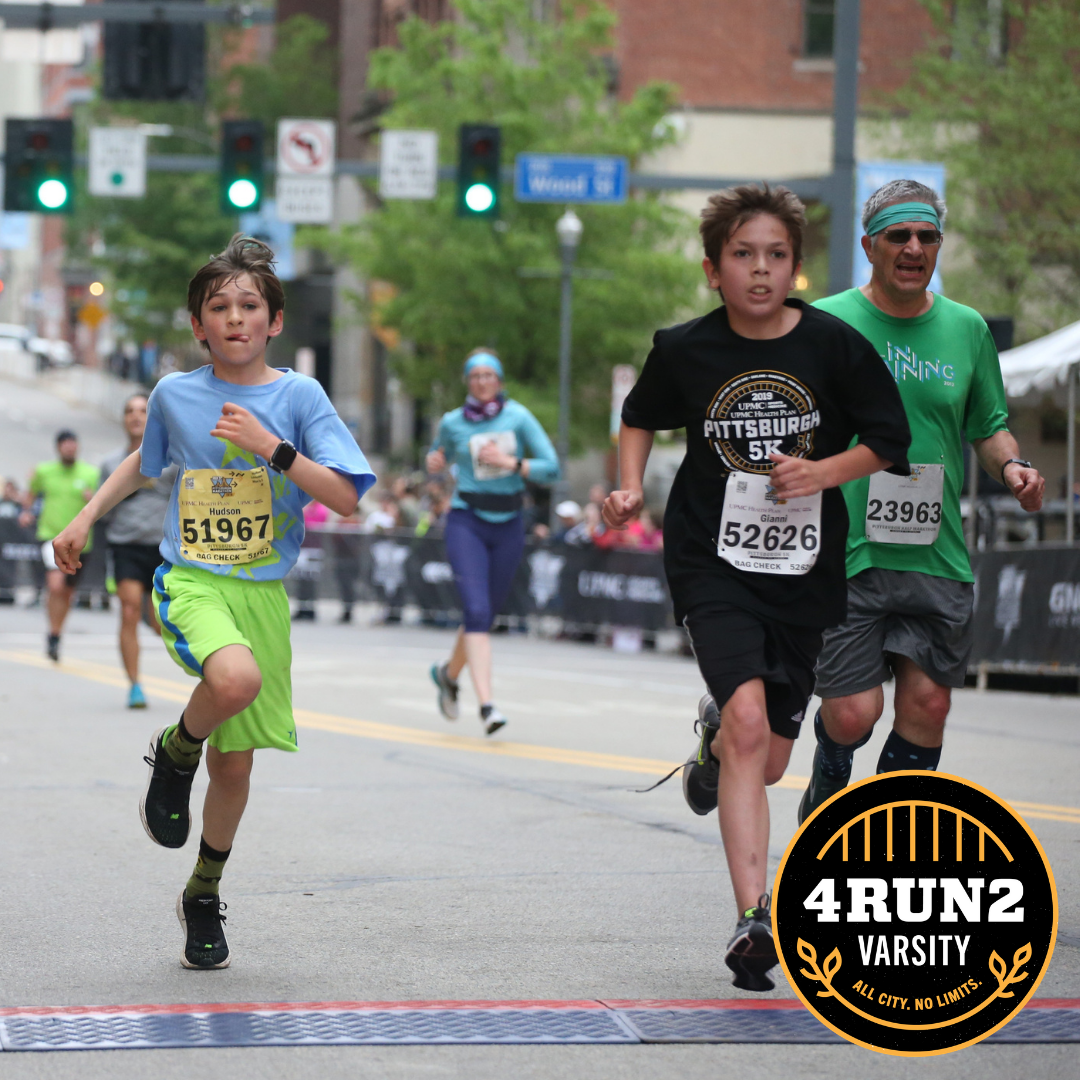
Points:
[(902, 191)]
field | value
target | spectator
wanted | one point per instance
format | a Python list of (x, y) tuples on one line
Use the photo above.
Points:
[(436, 506), (345, 546), (403, 491), (640, 534), (387, 517), (10, 502), (568, 514), (584, 532), (308, 566)]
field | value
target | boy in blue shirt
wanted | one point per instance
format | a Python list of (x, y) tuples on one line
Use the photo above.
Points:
[(253, 445)]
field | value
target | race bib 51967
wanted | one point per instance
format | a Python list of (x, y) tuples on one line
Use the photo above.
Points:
[(226, 515)]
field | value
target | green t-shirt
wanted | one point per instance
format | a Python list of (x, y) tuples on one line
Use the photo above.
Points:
[(947, 369), (62, 487)]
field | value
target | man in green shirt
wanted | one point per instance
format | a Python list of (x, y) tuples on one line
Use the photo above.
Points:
[(64, 487), (910, 590)]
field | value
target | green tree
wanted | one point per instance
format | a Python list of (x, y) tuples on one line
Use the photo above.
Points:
[(149, 248), (998, 99), (456, 282)]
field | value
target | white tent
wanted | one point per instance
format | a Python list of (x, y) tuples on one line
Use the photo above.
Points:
[(1040, 365)]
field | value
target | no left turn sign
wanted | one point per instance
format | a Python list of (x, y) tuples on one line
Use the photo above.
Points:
[(305, 147)]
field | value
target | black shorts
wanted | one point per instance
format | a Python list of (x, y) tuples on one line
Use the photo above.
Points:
[(733, 645), (135, 562)]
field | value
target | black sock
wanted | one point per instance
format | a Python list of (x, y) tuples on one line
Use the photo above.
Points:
[(835, 758), (182, 731), (898, 753), (485, 710)]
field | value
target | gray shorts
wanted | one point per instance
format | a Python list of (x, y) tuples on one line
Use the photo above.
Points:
[(897, 612)]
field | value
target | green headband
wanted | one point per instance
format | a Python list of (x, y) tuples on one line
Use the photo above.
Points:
[(905, 211)]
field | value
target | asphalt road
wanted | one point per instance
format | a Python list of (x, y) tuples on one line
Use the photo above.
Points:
[(399, 857)]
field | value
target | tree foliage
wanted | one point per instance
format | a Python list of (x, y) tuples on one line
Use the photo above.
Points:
[(999, 102), (456, 282), (149, 248)]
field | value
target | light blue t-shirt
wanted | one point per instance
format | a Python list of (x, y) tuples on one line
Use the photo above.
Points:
[(184, 408), (530, 442)]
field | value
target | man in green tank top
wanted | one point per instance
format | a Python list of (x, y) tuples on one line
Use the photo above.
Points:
[(910, 590)]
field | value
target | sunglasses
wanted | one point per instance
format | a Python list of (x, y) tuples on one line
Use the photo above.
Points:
[(927, 237)]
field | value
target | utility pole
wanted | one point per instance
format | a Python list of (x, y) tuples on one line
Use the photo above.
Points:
[(845, 111), (568, 229)]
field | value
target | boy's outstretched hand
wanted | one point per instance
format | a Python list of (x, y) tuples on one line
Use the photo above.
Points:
[(68, 546), (622, 506), (242, 429)]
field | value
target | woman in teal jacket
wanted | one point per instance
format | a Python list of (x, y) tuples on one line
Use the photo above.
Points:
[(488, 440)]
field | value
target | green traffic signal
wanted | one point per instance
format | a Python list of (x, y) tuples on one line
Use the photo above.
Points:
[(478, 170), (241, 170), (52, 194), (39, 166)]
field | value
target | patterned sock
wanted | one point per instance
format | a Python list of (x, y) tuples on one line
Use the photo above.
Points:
[(182, 746), (835, 758), (208, 869), (898, 753)]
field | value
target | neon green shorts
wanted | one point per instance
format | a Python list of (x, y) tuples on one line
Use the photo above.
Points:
[(199, 613)]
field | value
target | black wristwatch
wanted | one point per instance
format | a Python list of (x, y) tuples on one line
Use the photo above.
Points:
[(282, 458), (1013, 461), (520, 462)]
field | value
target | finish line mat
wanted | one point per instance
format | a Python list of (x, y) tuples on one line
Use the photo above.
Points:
[(393, 1023)]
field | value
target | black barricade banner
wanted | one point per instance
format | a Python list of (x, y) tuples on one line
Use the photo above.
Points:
[(582, 585), (17, 545), (1027, 607)]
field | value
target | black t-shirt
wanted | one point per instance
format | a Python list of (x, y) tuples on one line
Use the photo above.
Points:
[(822, 385)]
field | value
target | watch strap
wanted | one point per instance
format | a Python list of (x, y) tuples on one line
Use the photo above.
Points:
[(1013, 461)]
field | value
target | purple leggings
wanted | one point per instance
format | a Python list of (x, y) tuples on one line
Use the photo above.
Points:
[(485, 557)]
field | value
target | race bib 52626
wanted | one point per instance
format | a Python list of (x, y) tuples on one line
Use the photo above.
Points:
[(764, 534), (226, 515)]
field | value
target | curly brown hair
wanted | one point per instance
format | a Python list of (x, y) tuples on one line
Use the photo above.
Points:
[(732, 208), (244, 255)]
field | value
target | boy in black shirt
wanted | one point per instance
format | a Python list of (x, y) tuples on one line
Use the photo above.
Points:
[(781, 403)]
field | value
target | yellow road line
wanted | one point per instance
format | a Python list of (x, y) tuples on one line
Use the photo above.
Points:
[(171, 690)]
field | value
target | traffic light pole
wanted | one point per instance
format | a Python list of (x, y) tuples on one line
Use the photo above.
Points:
[(51, 16), (845, 110)]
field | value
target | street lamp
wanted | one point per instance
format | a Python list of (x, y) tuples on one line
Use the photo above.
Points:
[(568, 229)]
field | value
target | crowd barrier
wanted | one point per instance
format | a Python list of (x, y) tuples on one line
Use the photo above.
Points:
[(1027, 601)]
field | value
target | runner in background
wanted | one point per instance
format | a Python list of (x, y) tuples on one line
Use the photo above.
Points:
[(64, 487), (910, 591), (133, 530), (781, 404), (485, 442)]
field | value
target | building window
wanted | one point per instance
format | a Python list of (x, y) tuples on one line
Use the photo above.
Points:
[(818, 18)]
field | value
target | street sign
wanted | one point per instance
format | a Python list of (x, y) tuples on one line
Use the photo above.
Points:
[(118, 162), (305, 147), (277, 234), (869, 176), (408, 164), (305, 171), (568, 178)]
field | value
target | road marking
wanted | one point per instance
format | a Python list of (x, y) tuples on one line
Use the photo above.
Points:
[(171, 690)]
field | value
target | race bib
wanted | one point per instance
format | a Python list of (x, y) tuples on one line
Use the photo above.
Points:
[(905, 509), (226, 515), (766, 535), (506, 441)]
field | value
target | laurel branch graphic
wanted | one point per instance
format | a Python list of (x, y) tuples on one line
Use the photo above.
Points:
[(825, 974)]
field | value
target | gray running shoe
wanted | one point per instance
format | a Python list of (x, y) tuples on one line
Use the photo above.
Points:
[(448, 691), (751, 952), (492, 719), (201, 920), (701, 774)]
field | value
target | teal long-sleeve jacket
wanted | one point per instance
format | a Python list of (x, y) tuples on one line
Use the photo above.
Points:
[(517, 432)]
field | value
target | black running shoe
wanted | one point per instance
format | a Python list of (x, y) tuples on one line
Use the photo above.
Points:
[(448, 691), (751, 953), (202, 920), (164, 805), (492, 719), (52, 647), (701, 774)]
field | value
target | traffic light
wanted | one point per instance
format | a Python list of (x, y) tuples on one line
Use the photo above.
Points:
[(478, 171), (154, 61), (39, 166), (241, 177)]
